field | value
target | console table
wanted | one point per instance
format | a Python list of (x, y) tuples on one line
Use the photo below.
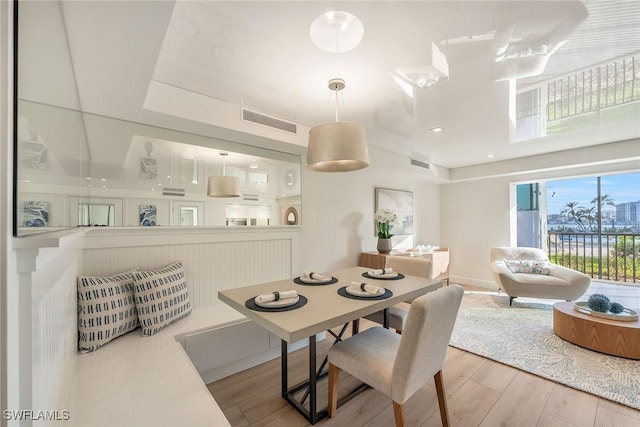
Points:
[(439, 261)]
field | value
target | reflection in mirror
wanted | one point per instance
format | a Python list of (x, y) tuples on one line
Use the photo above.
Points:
[(144, 172), (80, 169), (291, 216), (188, 168), (94, 215), (92, 212), (189, 216)]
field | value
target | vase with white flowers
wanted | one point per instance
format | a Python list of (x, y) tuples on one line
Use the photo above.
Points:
[(383, 217)]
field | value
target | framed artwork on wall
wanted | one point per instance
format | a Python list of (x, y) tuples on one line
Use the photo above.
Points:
[(35, 214), (148, 215), (401, 203)]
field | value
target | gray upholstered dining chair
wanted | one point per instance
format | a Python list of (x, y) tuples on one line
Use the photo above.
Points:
[(405, 265), (399, 365)]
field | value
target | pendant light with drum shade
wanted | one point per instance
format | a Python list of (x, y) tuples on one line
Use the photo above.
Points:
[(337, 146), (223, 186)]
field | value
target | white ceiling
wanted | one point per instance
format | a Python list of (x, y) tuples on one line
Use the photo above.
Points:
[(258, 54)]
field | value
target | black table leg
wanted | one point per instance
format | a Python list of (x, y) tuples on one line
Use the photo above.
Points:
[(310, 386), (284, 367), (312, 380), (355, 327)]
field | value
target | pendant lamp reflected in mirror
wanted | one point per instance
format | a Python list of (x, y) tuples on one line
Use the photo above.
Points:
[(223, 186), (337, 146)]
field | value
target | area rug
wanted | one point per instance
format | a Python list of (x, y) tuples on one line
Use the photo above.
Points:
[(522, 336)]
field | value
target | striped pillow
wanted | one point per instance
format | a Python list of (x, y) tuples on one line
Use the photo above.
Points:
[(161, 297), (106, 310)]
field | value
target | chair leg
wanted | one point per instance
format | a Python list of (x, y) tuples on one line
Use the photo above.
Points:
[(399, 331), (334, 373), (442, 399), (511, 300), (398, 413)]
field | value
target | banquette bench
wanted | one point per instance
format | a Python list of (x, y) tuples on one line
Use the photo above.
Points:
[(147, 381), (144, 351)]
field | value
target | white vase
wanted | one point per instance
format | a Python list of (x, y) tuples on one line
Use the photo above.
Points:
[(384, 245)]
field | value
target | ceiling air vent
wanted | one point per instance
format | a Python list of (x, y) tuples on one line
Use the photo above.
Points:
[(167, 191), (250, 197), (252, 116), (420, 164)]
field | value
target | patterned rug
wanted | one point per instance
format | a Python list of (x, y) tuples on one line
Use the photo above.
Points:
[(522, 336)]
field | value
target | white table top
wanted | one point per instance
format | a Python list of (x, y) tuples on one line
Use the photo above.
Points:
[(325, 308)]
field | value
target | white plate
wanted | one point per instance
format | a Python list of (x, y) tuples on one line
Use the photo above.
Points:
[(359, 293), (275, 304), (308, 280), (384, 276)]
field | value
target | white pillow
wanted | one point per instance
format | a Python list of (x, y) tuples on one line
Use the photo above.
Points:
[(106, 309), (161, 297), (528, 266)]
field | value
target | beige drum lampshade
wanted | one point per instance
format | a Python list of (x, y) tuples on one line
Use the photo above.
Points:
[(223, 186), (337, 147)]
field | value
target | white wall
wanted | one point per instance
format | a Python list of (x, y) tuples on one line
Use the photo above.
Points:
[(337, 210)]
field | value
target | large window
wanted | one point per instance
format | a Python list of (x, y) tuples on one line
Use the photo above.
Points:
[(591, 224)]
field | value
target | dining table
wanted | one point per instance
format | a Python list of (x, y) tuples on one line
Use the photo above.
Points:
[(321, 307)]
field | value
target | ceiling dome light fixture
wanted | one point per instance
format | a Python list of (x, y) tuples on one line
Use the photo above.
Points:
[(337, 146), (223, 186), (336, 31)]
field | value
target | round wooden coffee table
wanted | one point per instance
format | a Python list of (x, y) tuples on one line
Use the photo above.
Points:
[(614, 337)]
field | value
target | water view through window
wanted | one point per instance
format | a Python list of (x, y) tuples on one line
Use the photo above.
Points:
[(591, 224)]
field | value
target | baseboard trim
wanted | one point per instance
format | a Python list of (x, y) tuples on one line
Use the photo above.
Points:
[(488, 284)]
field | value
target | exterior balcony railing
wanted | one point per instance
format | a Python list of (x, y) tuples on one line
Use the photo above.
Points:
[(609, 256)]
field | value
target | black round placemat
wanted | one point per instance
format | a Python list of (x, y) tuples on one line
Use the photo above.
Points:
[(300, 282), (250, 303), (398, 277), (343, 292)]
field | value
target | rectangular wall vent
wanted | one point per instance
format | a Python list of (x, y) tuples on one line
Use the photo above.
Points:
[(252, 116), (251, 197), (420, 164), (168, 191)]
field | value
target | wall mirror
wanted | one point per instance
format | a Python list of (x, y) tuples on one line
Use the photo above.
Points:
[(79, 169)]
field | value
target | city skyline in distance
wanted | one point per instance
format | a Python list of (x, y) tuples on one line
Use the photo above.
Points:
[(621, 188)]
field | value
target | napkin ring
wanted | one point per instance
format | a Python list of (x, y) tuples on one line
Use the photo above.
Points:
[(362, 285), (276, 294)]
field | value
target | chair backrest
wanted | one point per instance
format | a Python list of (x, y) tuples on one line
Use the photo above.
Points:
[(415, 266), (425, 339), (517, 253)]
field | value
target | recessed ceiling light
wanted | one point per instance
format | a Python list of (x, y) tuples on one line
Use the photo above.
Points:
[(88, 177), (89, 185), (336, 31), (159, 184), (253, 167), (169, 176), (490, 156), (104, 186), (103, 179), (437, 129)]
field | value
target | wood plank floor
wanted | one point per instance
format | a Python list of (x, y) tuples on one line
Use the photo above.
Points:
[(480, 392)]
